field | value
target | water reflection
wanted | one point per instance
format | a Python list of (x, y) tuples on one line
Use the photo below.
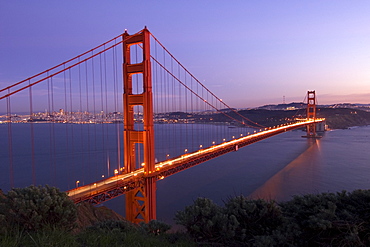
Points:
[(300, 176)]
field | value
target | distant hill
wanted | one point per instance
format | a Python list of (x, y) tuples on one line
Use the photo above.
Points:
[(290, 106), (341, 118), (336, 117), (301, 105)]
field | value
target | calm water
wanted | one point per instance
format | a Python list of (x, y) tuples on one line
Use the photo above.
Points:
[(276, 168)]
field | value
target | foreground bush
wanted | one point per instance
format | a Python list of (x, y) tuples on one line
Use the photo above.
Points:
[(327, 219), (34, 208), (203, 220)]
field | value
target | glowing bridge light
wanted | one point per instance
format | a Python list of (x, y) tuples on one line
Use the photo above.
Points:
[(77, 182)]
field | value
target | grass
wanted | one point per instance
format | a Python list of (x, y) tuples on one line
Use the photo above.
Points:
[(55, 237)]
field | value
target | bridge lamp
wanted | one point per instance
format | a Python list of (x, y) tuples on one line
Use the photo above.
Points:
[(167, 156), (224, 139), (115, 171), (102, 176), (77, 182), (213, 143), (233, 137), (241, 134), (143, 164), (186, 150)]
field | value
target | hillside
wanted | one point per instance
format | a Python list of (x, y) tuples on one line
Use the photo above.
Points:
[(87, 215), (337, 118), (341, 118)]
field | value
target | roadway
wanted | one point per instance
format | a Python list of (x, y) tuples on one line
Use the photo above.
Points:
[(119, 184)]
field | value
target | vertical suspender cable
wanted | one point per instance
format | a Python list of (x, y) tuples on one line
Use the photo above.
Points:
[(95, 149), (32, 137), (10, 140), (65, 117), (106, 109), (70, 117), (80, 115), (88, 123)]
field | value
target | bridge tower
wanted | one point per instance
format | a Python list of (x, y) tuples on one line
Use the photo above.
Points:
[(311, 113), (140, 202)]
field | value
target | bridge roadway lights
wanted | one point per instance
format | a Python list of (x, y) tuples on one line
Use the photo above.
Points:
[(134, 183)]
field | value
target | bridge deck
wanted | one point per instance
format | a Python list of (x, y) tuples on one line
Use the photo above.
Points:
[(112, 187)]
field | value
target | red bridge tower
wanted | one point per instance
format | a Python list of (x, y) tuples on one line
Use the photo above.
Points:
[(311, 114), (140, 202)]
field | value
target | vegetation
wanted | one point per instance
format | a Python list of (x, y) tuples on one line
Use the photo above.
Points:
[(327, 219), (34, 208), (107, 233), (44, 216)]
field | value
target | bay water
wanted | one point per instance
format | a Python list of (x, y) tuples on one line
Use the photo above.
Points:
[(276, 168)]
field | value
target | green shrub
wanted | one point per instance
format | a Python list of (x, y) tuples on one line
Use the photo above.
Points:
[(330, 218), (254, 217), (326, 219), (155, 227), (109, 225), (33, 208), (204, 220)]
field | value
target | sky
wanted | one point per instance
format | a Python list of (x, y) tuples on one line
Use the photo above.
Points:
[(249, 53)]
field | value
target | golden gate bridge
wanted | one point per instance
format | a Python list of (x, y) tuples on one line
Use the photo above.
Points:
[(157, 91)]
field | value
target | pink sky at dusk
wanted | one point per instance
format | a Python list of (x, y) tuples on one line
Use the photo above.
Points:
[(248, 53)]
